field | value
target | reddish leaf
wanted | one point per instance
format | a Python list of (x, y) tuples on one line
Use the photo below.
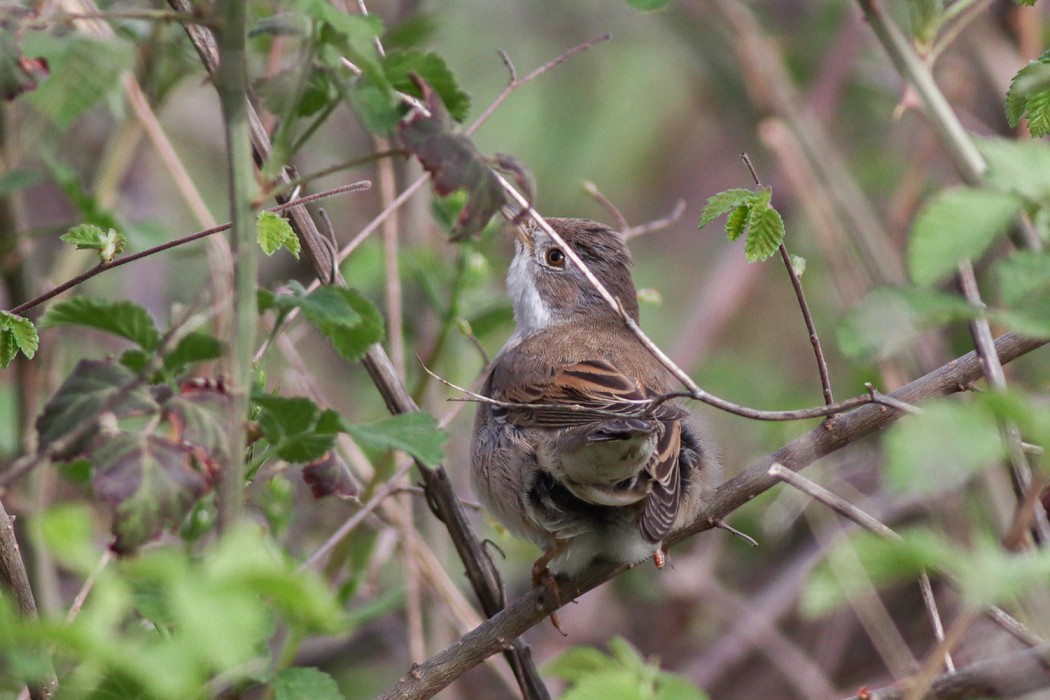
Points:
[(453, 162), (329, 476), (198, 418), (150, 483)]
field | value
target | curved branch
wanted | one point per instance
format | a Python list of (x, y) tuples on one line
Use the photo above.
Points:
[(426, 679)]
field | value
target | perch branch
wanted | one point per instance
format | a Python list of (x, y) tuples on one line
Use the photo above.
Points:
[(424, 680)]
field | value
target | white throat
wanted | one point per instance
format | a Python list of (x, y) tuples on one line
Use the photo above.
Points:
[(531, 312)]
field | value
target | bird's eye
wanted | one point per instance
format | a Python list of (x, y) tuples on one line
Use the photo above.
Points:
[(555, 257)]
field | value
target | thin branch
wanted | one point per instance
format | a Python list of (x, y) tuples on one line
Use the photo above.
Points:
[(618, 218), (428, 678), (1007, 676), (852, 512), (656, 224), (14, 581), (513, 84), (796, 284), (694, 391), (103, 267)]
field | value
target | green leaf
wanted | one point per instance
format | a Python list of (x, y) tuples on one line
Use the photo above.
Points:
[(149, 482), (725, 201), (958, 224), (192, 348), (615, 684), (109, 244), (87, 204), (122, 318), (798, 264), (1029, 94), (577, 662), (431, 67), (69, 534), (1023, 273), (865, 558), (17, 334), (415, 433), (350, 321), (274, 232), (89, 388), (297, 428), (765, 233), (305, 684), (890, 318), (737, 221), (942, 447), (453, 162), (1018, 167), (83, 72)]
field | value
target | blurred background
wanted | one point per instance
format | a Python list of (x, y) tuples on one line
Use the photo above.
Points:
[(658, 115)]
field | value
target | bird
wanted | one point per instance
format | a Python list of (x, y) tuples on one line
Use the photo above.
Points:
[(576, 445)]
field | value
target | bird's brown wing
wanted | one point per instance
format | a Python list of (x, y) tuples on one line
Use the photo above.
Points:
[(577, 394), (661, 506)]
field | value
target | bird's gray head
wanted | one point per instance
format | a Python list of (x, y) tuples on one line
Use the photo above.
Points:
[(547, 289)]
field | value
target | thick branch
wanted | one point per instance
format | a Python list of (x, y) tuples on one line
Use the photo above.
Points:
[(430, 677), (1007, 676)]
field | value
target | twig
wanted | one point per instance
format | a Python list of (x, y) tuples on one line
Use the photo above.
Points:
[(656, 224), (103, 267), (796, 284), (880, 398), (852, 512), (1007, 676), (617, 216), (694, 391), (437, 672), (513, 84), (14, 581)]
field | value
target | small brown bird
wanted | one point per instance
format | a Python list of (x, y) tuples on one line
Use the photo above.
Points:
[(576, 456)]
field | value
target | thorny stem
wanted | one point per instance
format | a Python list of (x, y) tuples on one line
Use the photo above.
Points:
[(796, 284), (103, 267)]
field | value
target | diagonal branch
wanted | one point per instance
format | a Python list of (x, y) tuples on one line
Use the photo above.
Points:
[(430, 677)]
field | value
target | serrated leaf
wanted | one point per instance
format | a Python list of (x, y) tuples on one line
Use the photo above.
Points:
[(736, 222), (305, 684), (415, 433), (350, 321), (82, 72), (274, 232), (297, 428), (17, 334), (149, 482), (798, 264), (889, 319), (725, 201), (453, 162), (959, 223), (765, 233), (1019, 167), (108, 244), (431, 67), (942, 447), (1029, 93), (122, 318), (87, 390)]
